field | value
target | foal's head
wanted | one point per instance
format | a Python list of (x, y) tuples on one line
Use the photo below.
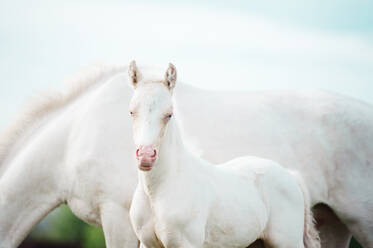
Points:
[(151, 110)]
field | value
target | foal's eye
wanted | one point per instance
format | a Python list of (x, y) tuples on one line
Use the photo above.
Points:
[(131, 113), (169, 116)]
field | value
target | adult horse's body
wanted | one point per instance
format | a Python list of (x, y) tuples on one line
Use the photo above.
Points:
[(184, 201), (77, 148)]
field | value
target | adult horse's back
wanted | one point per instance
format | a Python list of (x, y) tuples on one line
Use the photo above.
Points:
[(77, 148), (326, 136)]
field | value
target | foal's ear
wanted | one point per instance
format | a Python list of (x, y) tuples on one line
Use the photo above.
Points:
[(170, 77), (133, 73)]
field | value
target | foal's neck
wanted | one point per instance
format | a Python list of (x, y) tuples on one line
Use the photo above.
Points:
[(170, 159)]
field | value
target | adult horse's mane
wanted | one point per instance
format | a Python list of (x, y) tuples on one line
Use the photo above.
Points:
[(38, 107)]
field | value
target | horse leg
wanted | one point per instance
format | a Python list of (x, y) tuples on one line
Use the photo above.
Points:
[(257, 244), (279, 233), (359, 223), (335, 236), (352, 203), (24, 202), (333, 233), (117, 227), (272, 243), (363, 233), (17, 218), (282, 243)]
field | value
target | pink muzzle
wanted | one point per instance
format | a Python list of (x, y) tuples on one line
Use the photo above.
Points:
[(146, 155)]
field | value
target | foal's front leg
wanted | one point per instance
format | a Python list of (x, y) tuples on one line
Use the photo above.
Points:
[(117, 227), (142, 220)]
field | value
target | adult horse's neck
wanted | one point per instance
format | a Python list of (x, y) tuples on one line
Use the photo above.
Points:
[(33, 158), (172, 155)]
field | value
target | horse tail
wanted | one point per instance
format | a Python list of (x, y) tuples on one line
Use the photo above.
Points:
[(311, 238)]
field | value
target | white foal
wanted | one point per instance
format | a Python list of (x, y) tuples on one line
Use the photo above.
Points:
[(183, 201)]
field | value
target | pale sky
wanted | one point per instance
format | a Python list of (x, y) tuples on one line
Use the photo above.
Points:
[(236, 44)]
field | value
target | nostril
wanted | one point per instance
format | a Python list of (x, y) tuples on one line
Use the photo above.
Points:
[(146, 151), (154, 154)]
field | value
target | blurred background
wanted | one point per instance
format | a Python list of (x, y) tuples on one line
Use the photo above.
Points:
[(236, 44)]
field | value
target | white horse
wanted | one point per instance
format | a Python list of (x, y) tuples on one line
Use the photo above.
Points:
[(75, 147), (184, 201)]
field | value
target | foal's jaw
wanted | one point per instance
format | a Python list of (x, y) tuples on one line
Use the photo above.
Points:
[(146, 157)]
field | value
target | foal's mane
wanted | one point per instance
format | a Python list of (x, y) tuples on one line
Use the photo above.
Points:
[(47, 103)]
